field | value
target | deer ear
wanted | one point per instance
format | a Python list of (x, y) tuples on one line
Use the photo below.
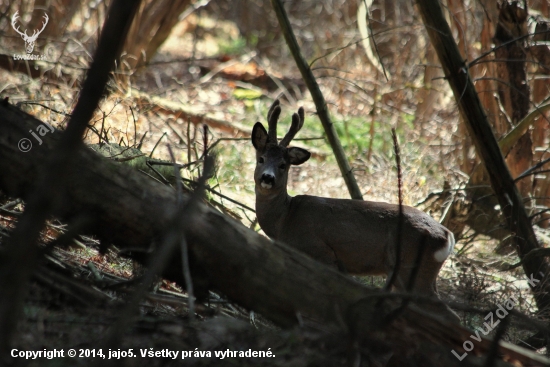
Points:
[(298, 155), (259, 136)]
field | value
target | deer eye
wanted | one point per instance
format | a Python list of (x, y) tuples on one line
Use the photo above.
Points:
[(261, 160), (282, 166)]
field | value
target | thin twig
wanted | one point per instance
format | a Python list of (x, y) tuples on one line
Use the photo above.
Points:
[(318, 99), (44, 106), (531, 170), (393, 276), (156, 144), (183, 242), (221, 195)]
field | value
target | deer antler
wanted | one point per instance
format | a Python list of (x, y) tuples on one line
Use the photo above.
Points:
[(272, 117), (273, 105), (297, 123), (13, 21)]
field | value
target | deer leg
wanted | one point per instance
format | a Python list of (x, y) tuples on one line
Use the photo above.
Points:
[(416, 272), (425, 283)]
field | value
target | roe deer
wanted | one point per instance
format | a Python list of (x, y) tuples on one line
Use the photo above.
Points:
[(353, 235)]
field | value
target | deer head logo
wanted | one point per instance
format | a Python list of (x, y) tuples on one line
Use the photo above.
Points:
[(29, 40)]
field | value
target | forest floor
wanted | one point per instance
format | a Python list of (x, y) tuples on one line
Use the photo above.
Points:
[(192, 79)]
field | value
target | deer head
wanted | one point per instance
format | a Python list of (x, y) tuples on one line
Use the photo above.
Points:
[(29, 40), (273, 159)]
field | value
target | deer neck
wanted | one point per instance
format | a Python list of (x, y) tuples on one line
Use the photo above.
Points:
[(271, 210)]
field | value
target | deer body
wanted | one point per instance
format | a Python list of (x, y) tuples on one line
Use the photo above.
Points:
[(356, 236)]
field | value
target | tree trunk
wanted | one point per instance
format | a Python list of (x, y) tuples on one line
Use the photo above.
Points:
[(150, 28), (541, 56), (319, 100), (513, 89), (427, 96), (504, 73)]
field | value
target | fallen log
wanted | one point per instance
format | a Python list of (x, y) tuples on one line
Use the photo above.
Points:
[(133, 211)]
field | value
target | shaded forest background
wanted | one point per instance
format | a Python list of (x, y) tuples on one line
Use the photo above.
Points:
[(221, 63)]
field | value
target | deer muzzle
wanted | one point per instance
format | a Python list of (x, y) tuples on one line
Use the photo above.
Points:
[(267, 181)]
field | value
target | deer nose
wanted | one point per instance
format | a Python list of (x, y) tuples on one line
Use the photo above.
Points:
[(268, 179)]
